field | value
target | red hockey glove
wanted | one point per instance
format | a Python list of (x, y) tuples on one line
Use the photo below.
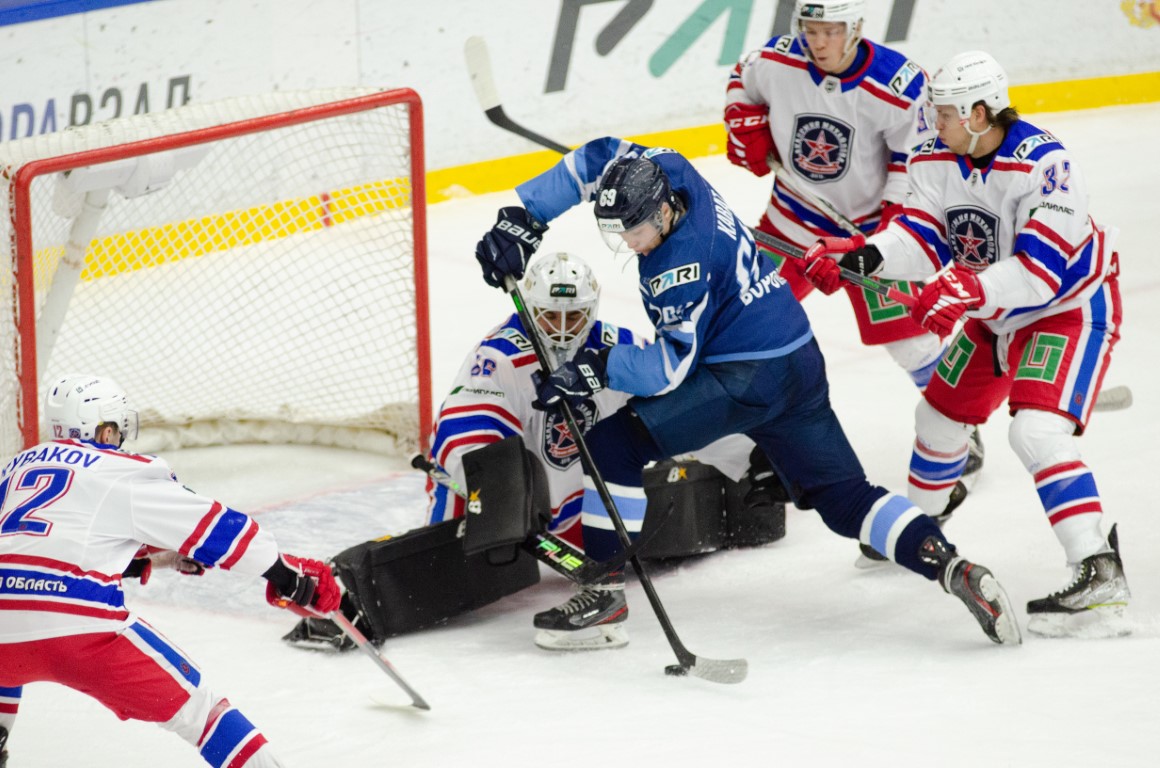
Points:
[(943, 302), (304, 586), (825, 258), (750, 142), (890, 211)]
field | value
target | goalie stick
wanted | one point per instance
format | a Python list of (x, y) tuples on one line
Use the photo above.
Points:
[(547, 547), (713, 670), (361, 641), (479, 68)]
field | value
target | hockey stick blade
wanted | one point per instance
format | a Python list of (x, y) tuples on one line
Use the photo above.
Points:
[(361, 641), (714, 670), (479, 68), (1114, 399)]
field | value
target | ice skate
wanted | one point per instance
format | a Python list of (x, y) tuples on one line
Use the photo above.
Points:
[(318, 635), (979, 590), (3, 750), (1092, 605), (870, 558), (592, 619), (975, 454)]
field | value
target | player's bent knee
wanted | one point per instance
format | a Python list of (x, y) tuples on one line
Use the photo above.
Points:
[(938, 432), (916, 352), (1042, 439)]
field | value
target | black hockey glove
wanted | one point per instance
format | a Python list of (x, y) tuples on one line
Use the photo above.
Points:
[(505, 250), (574, 381)]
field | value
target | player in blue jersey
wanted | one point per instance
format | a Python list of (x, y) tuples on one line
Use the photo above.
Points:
[(734, 353)]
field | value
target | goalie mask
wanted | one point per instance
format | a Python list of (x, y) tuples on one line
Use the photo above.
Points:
[(75, 406), (562, 294)]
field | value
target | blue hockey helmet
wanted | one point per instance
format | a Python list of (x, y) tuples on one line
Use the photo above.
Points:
[(631, 194)]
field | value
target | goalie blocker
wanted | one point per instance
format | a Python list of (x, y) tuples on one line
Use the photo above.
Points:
[(428, 575)]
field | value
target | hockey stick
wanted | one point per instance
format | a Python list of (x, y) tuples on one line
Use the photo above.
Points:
[(713, 670), (361, 641), (822, 204), (479, 67), (547, 547)]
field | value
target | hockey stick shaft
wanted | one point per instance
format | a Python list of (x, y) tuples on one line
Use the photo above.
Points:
[(824, 206), (361, 641), (718, 671), (546, 546)]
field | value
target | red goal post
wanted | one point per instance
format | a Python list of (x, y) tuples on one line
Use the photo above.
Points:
[(250, 270)]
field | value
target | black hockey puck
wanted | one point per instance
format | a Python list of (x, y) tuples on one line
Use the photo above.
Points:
[(676, 670)]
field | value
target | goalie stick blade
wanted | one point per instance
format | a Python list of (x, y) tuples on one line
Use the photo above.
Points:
[(1113, 399), (727, 672)]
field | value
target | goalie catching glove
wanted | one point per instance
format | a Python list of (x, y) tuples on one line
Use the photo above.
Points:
[(575, 381), (505, 250), (304, 586), (826, 259)]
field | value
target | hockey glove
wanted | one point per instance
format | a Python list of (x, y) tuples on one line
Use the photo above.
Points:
[(148, 558), (750, 142), (890, 211), (826, 258), (941, 304), (304, 586), (505, 250), (574, 381)]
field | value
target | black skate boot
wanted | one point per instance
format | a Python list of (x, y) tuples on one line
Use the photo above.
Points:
[(975, 453), (593, 618), (1091, 605), (977, 588), (870, 556), (3, 749)]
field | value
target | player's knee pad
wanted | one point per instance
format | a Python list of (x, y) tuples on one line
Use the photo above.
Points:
[(621, 446), (917, 352), (937, 432), (1042, 439)]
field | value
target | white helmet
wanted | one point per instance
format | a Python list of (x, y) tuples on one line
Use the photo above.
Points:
[(849, 12), (77, 404), (562, 293), (966, 80)]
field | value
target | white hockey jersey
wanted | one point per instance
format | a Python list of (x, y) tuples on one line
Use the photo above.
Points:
[(492, 398), (72, 517), (1022, 222), (845, 139)]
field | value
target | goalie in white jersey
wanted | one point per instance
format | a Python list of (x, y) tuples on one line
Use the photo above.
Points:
[(75, 515), (1004, 205)]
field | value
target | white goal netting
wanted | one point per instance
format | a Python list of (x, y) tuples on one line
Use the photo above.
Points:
[(248, 270)]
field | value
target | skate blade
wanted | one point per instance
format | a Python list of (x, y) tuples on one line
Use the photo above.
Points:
[(605, 636), (1093, 624), (864, 563), (1006, 625)]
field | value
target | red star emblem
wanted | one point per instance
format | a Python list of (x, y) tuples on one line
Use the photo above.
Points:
[(820, 149), (969, 244)]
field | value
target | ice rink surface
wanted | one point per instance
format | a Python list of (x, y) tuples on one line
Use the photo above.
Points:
[(847, 667)]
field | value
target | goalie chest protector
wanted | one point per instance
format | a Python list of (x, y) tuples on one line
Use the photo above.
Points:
[(422, 577)]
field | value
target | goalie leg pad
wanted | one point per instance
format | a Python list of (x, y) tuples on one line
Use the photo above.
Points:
[(696, 523), (507, 495), (423, 577)]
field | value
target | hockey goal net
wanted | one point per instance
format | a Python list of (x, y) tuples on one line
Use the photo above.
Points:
[(251, 270)]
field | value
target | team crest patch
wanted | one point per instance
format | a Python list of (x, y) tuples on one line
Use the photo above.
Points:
[(686, 273), (821, 147), (558, 447), (972, 235)]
